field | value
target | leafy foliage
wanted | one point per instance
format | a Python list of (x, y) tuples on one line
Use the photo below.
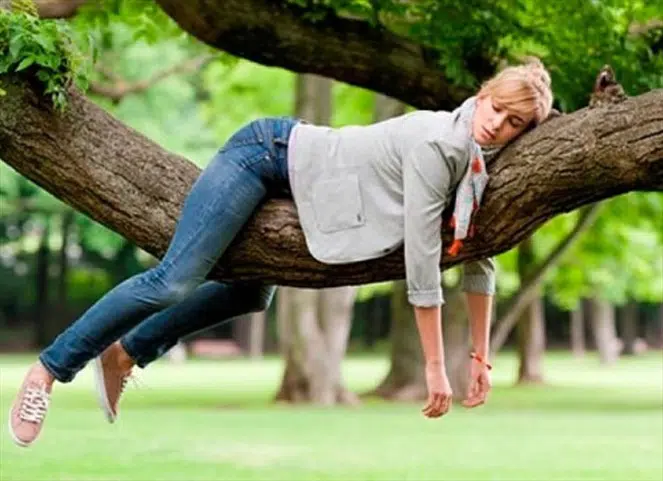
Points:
[(44, 47)]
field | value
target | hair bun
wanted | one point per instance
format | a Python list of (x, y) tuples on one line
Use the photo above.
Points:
[(537, 70)]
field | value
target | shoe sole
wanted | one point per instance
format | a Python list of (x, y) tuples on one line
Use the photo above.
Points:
[(102, 396), (17, 441)]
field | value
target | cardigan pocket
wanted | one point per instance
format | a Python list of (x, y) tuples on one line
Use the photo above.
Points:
[(337, 203)]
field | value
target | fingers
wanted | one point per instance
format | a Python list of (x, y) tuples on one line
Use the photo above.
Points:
[(478, 392), (438, 405)]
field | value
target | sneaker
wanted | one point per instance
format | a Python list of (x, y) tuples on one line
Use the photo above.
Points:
[(110, 381), (27, 414)]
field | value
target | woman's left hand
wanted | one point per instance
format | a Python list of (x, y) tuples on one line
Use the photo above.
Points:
[(480, 384)]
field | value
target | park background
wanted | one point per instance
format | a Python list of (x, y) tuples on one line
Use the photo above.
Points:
[(578, 379)]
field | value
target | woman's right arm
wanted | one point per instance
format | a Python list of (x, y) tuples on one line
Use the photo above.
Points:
[(426, 182)]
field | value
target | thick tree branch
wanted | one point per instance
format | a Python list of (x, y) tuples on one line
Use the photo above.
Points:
[(58, 8), (273, 32), (528, 291), (126, 182), (120, 88)]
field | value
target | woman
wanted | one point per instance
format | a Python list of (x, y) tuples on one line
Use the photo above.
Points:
[(360, 193)]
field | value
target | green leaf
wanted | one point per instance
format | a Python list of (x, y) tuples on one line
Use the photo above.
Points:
[(25, 63)]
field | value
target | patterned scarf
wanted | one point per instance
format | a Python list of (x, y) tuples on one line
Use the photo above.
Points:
[(468, 198)]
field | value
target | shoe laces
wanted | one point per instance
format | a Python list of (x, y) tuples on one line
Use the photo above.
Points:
[(34, 403)]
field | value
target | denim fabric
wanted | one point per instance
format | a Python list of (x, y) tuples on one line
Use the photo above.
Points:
[(157, 307)]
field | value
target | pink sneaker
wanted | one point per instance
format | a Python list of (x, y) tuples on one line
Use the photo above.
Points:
[(110, 380), (27, 414)]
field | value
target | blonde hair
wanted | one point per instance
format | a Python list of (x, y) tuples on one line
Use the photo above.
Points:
[(523, 89)]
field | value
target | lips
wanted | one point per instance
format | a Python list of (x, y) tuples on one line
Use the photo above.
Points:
[(488, 133)]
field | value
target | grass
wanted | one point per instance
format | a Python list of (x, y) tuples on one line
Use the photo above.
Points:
[(213, 420)]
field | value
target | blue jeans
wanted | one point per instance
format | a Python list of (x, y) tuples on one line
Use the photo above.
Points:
[(154, 309)]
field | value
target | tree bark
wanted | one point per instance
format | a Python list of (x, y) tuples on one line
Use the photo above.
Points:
[(531, 325), (58, 8), (119, 178), (578, 330), (628, 323), (602, 315)]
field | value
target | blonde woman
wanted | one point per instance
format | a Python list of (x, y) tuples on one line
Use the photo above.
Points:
[(360, 191)]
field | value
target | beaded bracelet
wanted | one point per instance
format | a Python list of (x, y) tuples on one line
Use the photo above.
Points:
[(479, 358)]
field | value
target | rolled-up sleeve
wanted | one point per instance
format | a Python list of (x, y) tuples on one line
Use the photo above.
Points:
[(479, 276), (426, 182)]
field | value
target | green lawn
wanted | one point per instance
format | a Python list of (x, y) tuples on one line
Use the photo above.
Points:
[(209, 420)]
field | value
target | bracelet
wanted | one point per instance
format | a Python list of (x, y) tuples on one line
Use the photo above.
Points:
[(479, 358)]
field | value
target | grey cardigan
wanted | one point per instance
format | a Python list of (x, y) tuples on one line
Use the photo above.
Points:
[(363, 191)]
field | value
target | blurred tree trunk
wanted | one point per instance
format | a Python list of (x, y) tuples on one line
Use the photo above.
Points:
[(531, 325), (44, 332), (529, 287), (257, 321), (314, 325), (63, 260), (578, 330), (628, 323), (313, 333), (602, 316), (456, 330), (654, 330), (405, 380)]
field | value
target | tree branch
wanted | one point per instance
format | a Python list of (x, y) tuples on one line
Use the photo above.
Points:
[(526, 294), (277, 33), (58, 8), (118, 177), (121, 88)]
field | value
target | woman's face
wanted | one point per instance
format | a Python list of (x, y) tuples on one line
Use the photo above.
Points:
[(494, 125)]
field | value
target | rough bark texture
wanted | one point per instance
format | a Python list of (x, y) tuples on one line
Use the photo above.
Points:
[(353, 51), (128, 183)]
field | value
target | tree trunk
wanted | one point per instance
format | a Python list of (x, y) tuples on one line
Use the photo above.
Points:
[(654, 330), (127, 183), (602, 315), (456, 331), (578, 330), (43, 322), (529, 288), (531, 343), (531, 326), (257, 322), (405, 380), (314, 325), (628, 323), (313, 333)]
